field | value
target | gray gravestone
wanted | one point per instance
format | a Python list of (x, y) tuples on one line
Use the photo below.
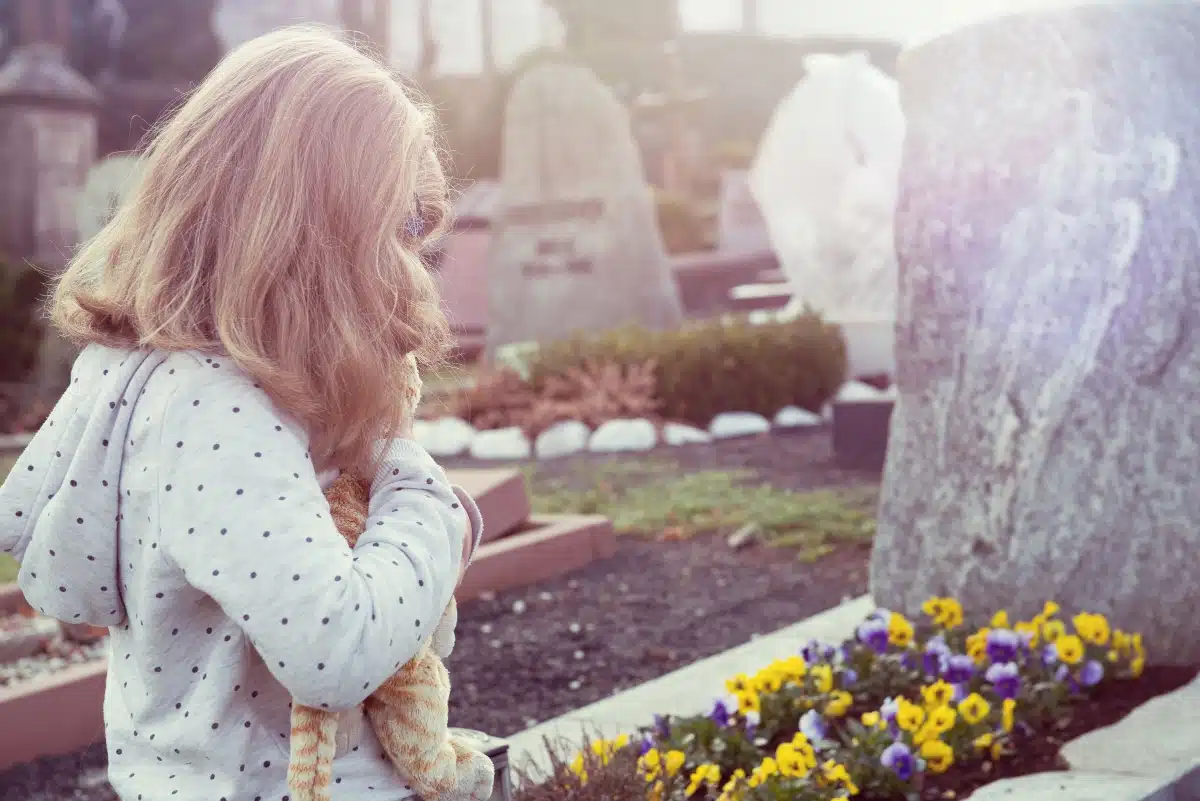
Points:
[(577, 245), (1046, 443), (108, 184)]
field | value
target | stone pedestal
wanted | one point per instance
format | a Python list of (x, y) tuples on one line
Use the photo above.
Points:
[(1046, 443), (47, 146)]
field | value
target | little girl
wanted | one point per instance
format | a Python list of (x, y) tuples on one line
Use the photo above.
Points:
[(245, 320)]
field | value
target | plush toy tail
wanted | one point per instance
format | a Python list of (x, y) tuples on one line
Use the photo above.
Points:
[(314, 740), (409, 715)]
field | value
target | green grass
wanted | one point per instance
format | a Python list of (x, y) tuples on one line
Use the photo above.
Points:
[(653, 497)]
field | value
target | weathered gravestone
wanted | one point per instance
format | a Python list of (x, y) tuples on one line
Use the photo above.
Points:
[(1046, 442), (577, 245), (107, 185)]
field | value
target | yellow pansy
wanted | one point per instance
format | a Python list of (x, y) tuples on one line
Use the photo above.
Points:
[(1007, 710), (900, 631), (657, 792), (839, 704), (673, 761), (909, 716), (768, 680), (579, 768), (952, 614), (937, 755), (1052, 630), (803, 748), (997, 751), (1093, 629), (1000, 620), (620, 741), (1136, 643), (748, 701), (933, 608), (977, 646), (1121, 641), (650, 765), (791, 762), (793, 668), (765, 770), (943, 718), (1069, 648), (822, 676), (738, 684), (707, 774), (1031, 629), (937, 694), (1137, 666), (924, 734), (1050, 609), (984, 741), (974, 708), (836, 773), (871, 719)]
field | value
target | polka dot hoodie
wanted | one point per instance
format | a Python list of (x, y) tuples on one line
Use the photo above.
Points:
[(168, 499)]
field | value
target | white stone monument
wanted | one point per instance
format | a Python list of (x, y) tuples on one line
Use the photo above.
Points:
[(825, 180)]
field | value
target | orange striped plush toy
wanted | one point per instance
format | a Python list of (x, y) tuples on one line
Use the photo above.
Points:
[(408, 713)]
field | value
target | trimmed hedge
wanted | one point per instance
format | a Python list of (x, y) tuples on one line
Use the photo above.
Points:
[(714, 366)]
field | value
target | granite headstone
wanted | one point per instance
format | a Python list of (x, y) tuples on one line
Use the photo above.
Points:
[(576, 244), (1045, 443)]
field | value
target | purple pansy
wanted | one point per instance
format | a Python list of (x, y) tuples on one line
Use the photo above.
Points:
[(1050, 655), (1091, 674), (1002, 645), (720, 713), (812, 726), (1005, 679), (849, 678), (874, 634), (662, 727), (936, 656), (959, 669), (889, 710), (898, 759), (1062, 674), (646, 746)]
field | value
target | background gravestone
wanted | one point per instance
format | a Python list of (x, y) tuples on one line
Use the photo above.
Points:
[(1045, 443), (577, 245), (107, 185)]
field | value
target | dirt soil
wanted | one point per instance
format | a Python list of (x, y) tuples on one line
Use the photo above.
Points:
[(653, 608)]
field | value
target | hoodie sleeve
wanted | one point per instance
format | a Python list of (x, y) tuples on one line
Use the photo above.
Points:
[(245, 519)]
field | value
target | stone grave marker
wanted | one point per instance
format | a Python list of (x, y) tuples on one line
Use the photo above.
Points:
[(1045, 443), (576, 245), (107, 185)]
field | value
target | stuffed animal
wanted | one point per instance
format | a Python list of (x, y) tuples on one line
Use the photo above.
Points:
[(408, 713)]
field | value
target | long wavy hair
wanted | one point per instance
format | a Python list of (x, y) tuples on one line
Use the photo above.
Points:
[(279, 219)]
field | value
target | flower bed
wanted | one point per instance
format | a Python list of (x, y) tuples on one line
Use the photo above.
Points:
[(901, 711)]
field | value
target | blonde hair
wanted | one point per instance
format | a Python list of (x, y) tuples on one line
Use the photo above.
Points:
[(273, 222)]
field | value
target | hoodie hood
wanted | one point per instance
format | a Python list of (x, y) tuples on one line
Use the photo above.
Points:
[(60, 505)]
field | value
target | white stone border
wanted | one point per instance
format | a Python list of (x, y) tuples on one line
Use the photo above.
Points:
[(450, 437)]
